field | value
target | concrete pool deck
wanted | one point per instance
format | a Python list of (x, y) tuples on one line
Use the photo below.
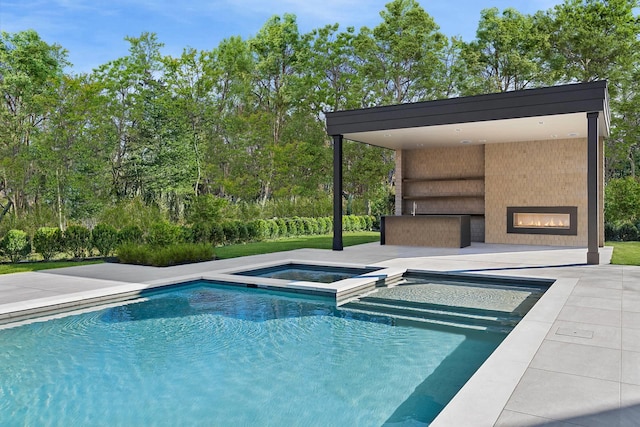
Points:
[(573, 360)]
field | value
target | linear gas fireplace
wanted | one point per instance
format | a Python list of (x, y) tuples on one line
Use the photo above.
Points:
[(561, 220)]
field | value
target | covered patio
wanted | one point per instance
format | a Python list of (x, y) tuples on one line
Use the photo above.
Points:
[(522, 167)]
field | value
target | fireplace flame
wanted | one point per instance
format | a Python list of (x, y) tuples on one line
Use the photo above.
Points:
[(541, 220)]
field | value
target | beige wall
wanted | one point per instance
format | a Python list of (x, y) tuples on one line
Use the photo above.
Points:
[(463, 196), (537, 173)]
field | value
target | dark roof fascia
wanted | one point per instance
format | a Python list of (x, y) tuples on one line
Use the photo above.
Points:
[(565, 99)]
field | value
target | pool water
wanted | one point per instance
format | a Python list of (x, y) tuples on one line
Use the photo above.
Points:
[(212, 355), (307, 272)]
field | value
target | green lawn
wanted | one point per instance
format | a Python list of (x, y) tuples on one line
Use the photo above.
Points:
[(291, 243), (35, 266), (224, 252), (625, 253)]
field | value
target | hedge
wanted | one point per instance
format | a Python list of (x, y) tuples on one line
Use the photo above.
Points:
[(625, 231), (81, 241)]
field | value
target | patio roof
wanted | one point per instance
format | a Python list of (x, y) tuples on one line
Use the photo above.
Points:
[(579, 110), (557, 112)]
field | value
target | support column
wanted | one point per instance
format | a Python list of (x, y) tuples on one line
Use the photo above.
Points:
[(593, 256), (337, 193)]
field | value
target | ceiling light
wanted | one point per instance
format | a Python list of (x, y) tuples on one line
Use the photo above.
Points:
[(540, 122), (387, 135), (554, 136), (482, 141), (573, 134), (458, 129), (465, 141)]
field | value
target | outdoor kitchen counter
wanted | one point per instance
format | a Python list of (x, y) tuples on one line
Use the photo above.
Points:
[(444, 231)]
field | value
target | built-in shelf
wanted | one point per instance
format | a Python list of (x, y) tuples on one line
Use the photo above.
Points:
[(443, 196), (443, 178)]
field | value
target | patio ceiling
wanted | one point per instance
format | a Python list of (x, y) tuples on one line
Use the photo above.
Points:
[(529, 115)]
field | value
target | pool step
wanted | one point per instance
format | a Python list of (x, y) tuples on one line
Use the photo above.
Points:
[(460, 317)]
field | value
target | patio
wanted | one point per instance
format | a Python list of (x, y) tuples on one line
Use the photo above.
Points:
[(573, 360)]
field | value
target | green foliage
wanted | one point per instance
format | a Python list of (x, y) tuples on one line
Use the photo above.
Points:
[(104, 238), (130, 234), (283, 230), (237, 132), (624, 231), (231, 232), (205, 208), (173, 254), (217, 234), (77, 240), (163, 234), (622, 200), (15, 245), (201, 232), (47, 241), (131, 212)]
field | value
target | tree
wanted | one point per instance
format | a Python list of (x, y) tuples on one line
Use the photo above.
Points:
[(592, 39), (330, 65), (506, 54), (30, 72), (401, 57)]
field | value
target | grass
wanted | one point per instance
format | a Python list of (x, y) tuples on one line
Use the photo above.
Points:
[(625, 253), (22, 267), (224, 252), (291, 243)]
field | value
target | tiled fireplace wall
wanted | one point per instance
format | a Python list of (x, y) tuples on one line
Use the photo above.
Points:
[(538, 173)]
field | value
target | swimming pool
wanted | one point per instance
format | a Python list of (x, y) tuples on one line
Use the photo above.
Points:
[(204, 354)]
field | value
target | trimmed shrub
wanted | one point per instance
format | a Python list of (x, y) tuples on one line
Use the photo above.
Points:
[(611, 232), (163, 234), (15, 245), (77, 240), (47, 241), (156, 256), (231, 232), (217, 234), (627, 232), (346, 223), (243, 232), (201, 232), (263, 229), (254, 230), (368, 222), (292, 227), (321, 225), (104, 238), (274, 230), (283, 229), (312, 226), (130, 234)]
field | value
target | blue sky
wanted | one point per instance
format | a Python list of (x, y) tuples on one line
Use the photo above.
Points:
[(93, 31)]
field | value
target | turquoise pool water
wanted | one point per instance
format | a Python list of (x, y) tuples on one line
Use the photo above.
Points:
[(206, 355)]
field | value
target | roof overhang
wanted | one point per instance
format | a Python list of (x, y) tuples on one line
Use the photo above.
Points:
[(558, 112)]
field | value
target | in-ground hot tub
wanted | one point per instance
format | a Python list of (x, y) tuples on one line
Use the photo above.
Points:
[(308, 272)]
